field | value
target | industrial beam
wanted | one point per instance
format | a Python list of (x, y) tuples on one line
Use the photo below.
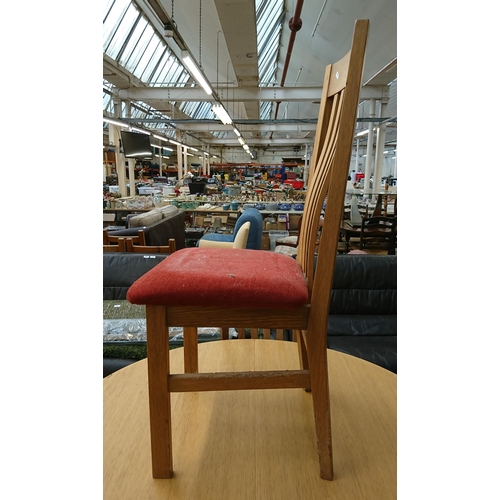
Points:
[(241, 94)]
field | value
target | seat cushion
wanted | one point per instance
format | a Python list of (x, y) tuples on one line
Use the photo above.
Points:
[(286, 250), (227, 277), (288, 240), (145, 219)]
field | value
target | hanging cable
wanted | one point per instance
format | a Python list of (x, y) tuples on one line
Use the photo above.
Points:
[(218, 61), (200, 38)]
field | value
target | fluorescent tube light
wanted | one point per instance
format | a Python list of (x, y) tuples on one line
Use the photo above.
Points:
[(175, 142), (219, 110), (237, 132), (241, 140), (160, 137), (195, 72), (363, 132), (134, 129), (114, 122)]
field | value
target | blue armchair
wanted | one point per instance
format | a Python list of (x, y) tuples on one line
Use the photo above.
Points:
[(254, 241)]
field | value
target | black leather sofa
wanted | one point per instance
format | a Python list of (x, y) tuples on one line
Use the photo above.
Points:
[(363, 307)]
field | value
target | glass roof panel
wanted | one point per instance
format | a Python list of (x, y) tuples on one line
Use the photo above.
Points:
[(119, 27), (270, 15)]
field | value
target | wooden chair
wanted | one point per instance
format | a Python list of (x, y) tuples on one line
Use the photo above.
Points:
[(136, 248), (379, 232), (109, 239), (204, 287), (119, 246)]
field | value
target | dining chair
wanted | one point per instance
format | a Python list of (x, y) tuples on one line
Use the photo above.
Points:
[(379, 232), (134, 247), (259, 289), (119, 246), (109, 239)]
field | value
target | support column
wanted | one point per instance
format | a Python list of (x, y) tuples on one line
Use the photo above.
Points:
[(179, 155), (379, 150), (369, 149), (120, 159), (306, 167), (185, 159), (131, 161)]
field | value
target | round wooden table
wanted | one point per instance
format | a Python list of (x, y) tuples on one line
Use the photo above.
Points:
[(254, 444)]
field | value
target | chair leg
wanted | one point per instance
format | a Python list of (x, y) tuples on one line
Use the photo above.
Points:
[(190, 349), (318, 369), (159, 394)]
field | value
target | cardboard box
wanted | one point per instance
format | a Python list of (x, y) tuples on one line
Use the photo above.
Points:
[(282, 222), (293, 222), (266, 242), (271, 226)]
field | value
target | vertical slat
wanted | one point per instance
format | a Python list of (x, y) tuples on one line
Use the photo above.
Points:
[(190, 349), (255, 333), (224, 333), (267, 333), (241, 333), (279, 334)]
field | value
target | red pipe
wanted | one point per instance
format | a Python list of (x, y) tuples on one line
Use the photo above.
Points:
[(294, 24)]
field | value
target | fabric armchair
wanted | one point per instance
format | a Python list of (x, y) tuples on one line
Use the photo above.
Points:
[(254, 241)]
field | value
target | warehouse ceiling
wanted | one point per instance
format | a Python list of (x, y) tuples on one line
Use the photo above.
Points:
[(222, 36)]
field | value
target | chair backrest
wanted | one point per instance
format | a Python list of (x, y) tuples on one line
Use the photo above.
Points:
[(379, 228), (120, 246), (329, 169), (109, 239), (253, 216), (134, 247), (241, 238)]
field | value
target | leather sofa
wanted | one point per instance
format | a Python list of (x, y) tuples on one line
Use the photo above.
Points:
[(159, 225), (362, 318)]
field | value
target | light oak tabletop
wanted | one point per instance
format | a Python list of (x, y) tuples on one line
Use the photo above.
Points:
[(254, 444)]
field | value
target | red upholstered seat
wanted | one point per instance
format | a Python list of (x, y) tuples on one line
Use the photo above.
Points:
[(223, 277)]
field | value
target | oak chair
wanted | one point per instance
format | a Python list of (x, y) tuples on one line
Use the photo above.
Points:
[(109, 239), (134, 247), (119, 246), (259, 289)]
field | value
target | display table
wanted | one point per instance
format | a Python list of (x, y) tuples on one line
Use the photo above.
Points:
[(254, 444)]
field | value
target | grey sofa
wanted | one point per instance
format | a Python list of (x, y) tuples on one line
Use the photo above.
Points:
[(158, 227)]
